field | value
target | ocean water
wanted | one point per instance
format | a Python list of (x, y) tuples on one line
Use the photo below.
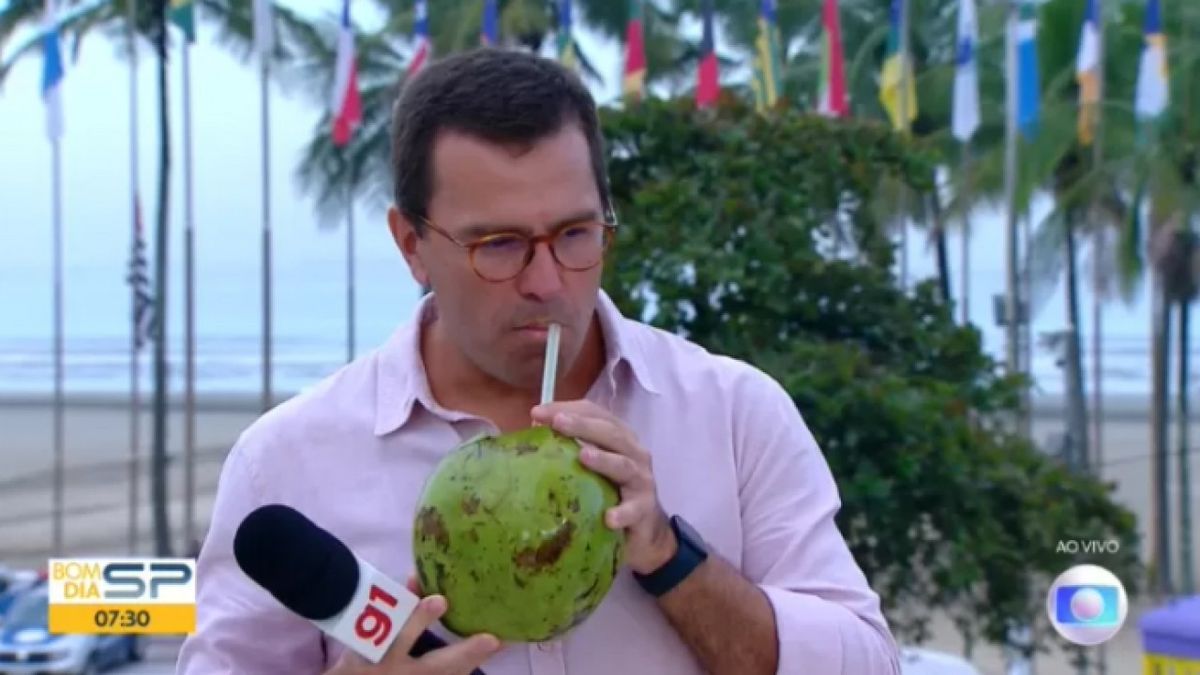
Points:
[(309, 327), (310, 336)]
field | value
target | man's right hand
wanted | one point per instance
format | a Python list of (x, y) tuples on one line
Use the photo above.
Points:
[(456, 659)]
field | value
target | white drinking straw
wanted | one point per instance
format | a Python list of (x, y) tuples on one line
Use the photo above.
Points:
[(550, 367)]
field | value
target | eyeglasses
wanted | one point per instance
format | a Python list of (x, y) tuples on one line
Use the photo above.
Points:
[(577, 246)]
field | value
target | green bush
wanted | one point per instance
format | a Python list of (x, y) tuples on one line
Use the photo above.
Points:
[(727, 219)]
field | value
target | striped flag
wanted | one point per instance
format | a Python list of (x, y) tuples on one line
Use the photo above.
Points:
[(347, 107), (896, 80), (566, 42), (183, 15), (144, 324), (966, 73), (1153, 86), (833, 98), (708, 87), (264, 27), (423, 47), (52, 72), (489, 34), (1028, 79), (634, 82), (767, 60)]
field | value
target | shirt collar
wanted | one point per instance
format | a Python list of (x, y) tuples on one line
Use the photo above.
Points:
[(401, 381)]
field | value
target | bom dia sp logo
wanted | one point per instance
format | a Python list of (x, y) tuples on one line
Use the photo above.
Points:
[(1087, 605)]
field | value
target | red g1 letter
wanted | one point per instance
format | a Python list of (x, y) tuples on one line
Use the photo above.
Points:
[(373, 624)]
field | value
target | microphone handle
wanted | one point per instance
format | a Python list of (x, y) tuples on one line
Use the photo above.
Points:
[(428, 642)]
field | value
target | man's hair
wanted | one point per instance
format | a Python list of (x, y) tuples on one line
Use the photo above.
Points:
[(498, 95)]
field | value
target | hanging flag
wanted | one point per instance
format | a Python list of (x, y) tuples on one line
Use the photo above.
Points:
[(966, 73), (767, 60), (566, 42), (707, 86), (139, 279), (1153, 86), (634, 82), (264, 27), (833, 99), (183, 15), (52, 72), (347, 107), (422, 48), (897, 88), (1087, 73), (489, 34), (1029, 86)]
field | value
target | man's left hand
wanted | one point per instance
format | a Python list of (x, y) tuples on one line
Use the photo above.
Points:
[(612, 450)]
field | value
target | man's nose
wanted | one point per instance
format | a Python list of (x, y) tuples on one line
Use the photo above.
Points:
[(542, 277)]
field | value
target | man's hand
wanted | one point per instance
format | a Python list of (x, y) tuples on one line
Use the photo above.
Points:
[(457, 659), (611, 449)]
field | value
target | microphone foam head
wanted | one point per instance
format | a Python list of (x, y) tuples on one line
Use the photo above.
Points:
[(303, 566)]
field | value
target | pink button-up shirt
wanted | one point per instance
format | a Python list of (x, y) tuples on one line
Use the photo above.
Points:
[(731, 454)]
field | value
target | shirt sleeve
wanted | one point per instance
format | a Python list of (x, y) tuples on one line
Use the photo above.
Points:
[(828, 618), (240, 628)]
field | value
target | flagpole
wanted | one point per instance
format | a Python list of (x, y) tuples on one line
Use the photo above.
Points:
[(58, 347), (189, 423), (1018, 634), (966, 235), (904, 108), (349, 266), (1010, 175), (266, 229), (135, 393)]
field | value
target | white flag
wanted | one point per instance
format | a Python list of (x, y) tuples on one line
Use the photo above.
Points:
[(966, 74)]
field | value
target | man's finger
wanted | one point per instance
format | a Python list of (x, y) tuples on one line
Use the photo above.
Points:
[(414, 585), (463, 657), (428, 611), (599, 430), (620, 469), (626, 515)]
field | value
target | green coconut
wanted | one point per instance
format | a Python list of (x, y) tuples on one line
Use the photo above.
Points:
[(510, 529)]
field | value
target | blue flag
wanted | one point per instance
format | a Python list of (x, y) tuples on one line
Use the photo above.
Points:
[(1029, 86), (52, 73)]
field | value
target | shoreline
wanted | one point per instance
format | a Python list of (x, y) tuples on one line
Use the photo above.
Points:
[(1046, 407)]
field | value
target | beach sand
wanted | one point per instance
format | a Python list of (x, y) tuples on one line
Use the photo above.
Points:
[(97, 489)]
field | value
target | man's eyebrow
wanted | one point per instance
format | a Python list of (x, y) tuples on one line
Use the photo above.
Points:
[(477, 230)]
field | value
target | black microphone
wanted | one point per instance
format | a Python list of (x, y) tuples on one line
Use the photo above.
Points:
[(315, 575)]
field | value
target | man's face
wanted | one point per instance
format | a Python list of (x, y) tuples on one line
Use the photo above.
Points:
[(478, 189)]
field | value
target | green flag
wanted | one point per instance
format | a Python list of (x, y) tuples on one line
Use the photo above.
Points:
[(183, 15)]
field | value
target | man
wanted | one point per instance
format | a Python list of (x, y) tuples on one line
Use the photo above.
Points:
[(734, 563)]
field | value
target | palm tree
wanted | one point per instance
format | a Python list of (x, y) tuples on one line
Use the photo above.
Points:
[(232, 21), (359, 172)]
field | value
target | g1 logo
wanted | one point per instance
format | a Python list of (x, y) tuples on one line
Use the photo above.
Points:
[(374, 624)]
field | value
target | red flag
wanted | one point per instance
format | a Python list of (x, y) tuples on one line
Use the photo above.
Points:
[(833, 65), (347, 107), (635, 55), (707, 86)]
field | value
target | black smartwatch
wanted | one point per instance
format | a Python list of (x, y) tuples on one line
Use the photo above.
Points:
[(690, 552)]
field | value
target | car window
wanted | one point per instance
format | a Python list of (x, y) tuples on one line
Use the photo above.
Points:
[(29, 611)]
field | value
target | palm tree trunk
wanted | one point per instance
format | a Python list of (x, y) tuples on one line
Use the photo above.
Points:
[(1079, 425), (939, 233), (162, 535), (1162, 510)]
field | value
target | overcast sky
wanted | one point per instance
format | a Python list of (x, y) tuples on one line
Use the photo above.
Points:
[(95, 165)]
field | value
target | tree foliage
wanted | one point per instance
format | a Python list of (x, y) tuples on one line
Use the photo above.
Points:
[(727, 224)]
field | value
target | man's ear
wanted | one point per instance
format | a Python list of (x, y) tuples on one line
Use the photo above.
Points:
[(406, 238)]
